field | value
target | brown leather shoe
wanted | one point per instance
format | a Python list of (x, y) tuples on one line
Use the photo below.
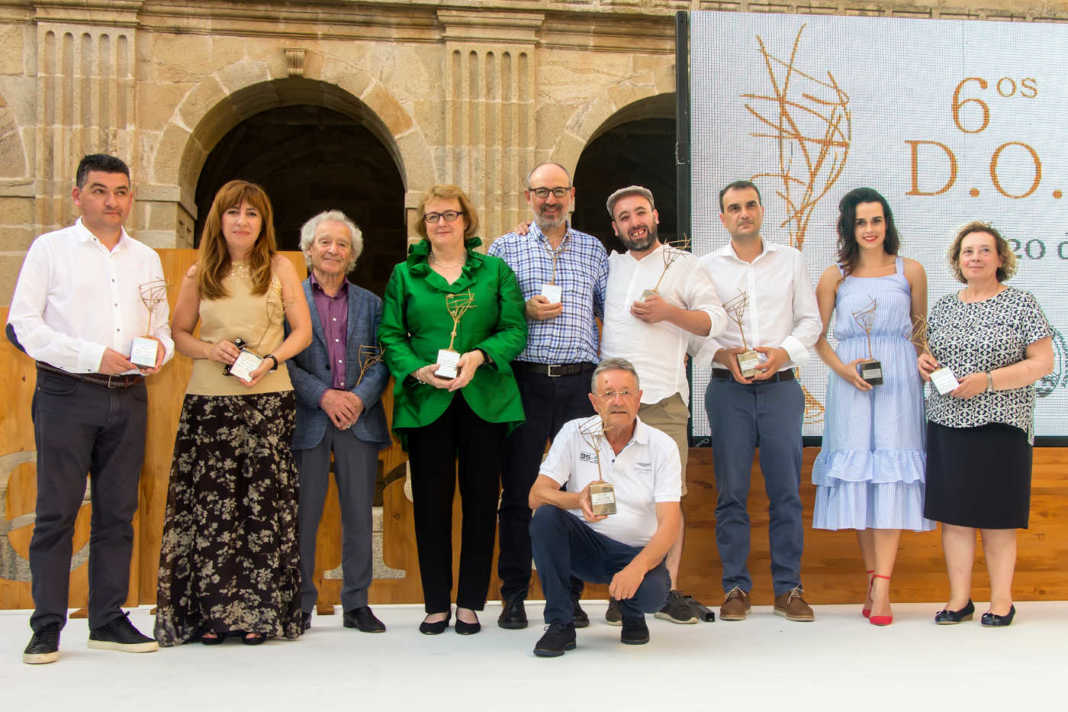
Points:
[(735, 606), (793, 607)]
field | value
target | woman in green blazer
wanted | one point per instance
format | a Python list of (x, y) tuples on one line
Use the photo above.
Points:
[(439, 418)]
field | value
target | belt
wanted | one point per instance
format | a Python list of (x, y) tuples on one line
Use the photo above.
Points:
[(725, 375), (553, 370), (97, 379)]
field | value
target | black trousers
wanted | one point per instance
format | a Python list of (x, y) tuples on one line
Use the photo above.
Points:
[(548, 402), (433, 451), (83, 428)]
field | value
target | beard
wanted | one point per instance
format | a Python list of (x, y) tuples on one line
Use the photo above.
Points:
[(640, 243), (550, 222)]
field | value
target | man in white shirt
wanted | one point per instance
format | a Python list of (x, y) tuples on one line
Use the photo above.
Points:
[(657, 299), (76, 309), (625, 550), (781, 322)]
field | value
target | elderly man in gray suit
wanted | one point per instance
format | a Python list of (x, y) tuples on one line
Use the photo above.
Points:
[(339, 381)]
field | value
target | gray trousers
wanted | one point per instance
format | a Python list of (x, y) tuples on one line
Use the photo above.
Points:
[(355, 470), (82, 428), (743, 417)]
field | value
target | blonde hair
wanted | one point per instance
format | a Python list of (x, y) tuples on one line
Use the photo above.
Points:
[(449, 192)]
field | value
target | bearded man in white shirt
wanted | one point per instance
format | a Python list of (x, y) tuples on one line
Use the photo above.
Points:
[(781, 322), (76, 310), (657, 300)]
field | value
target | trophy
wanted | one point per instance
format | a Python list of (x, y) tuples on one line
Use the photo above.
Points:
[(247, 359), (144, 348), (749, 359), (943, 379), (368, 356), (871, 371), (553, 291), (456, 305), (671, 252), (602, 494)]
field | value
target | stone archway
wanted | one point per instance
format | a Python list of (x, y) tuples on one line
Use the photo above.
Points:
[(309, 159), (633, 145)]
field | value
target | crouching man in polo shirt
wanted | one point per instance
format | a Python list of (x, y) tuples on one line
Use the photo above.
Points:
[(626, 549)]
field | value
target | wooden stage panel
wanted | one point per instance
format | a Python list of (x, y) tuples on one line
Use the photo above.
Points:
[(832, 570)]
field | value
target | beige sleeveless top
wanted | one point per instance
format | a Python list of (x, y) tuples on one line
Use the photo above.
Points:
[(256, 318)]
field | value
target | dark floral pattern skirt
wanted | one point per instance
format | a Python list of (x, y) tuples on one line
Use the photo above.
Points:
[(230, 555)]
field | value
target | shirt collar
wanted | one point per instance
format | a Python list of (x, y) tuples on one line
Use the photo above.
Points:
[(640, 434), (85, 235), (535, 232), (766, 247), (344, 290)]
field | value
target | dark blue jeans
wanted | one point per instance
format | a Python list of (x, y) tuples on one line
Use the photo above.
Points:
[(564, 546), (743, 417)]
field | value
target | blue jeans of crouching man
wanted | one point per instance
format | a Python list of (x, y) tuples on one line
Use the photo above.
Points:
[(565, 546)]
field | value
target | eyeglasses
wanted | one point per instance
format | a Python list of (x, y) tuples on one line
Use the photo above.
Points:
[(612, 395), (557, 192), (449, 216)]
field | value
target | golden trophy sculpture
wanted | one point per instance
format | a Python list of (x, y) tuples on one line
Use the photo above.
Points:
[(671, 252), (749, 359), (457, 305), (553, 291), (871, 371), (602, 494), (143, 350), (942, 379), (368, 356)]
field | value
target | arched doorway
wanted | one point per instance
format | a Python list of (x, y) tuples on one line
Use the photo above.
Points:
[(312, 158), (636, 145)]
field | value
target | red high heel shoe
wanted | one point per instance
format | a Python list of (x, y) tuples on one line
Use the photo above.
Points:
[(867, 611), (880, 620)]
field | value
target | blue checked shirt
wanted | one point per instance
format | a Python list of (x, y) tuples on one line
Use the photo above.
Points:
[(582, 273)]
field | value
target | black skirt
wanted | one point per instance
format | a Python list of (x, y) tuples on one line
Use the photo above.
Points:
[(978, 477)]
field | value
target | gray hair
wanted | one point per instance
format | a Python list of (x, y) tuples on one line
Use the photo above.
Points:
[(307, 234), (547, 163), (613, 364), (626, 192)]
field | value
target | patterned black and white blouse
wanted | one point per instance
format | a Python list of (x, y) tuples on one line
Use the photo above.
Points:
[(980, 337)]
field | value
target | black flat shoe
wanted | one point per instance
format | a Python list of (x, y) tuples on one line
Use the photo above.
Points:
[(210, 637), (948, 617), (993, 620), (435, 628), (253, 638), (465, 628)]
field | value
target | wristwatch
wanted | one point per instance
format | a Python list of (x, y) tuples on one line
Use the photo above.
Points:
[(273, 358)]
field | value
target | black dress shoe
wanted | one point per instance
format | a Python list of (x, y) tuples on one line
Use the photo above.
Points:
[(558, 638), (513, 614), (581, 619), (43, 647), (948, 617), (634, 632), (305, 621), (435, 628), (364, 620), (465, 628), (993, 620)]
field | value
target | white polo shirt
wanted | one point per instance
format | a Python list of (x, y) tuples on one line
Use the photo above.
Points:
[(658, 351), (646, 471)]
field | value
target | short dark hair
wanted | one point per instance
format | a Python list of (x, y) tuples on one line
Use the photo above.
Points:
[(738, 185), (99, 162), (848, 249)]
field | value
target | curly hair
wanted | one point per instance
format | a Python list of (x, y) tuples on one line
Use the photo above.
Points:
[(1008, 258)]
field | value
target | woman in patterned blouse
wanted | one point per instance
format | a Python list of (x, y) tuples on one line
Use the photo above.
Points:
[(997, 342)]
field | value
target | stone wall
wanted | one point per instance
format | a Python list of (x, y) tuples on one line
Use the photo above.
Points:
[(467, 91)]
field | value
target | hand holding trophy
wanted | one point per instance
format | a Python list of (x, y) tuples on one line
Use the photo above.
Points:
[(144, 349), (248, 360), (672, 251), (943, 379), (457, 305), (871, 371), (749, 359), (602, 494)]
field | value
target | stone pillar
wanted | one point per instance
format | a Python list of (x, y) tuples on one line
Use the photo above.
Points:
[(488, 86)]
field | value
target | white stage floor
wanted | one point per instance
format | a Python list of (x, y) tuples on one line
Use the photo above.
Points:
[(839, 662)]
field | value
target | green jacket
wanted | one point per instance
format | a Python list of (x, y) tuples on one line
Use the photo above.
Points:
[(415, 324)]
